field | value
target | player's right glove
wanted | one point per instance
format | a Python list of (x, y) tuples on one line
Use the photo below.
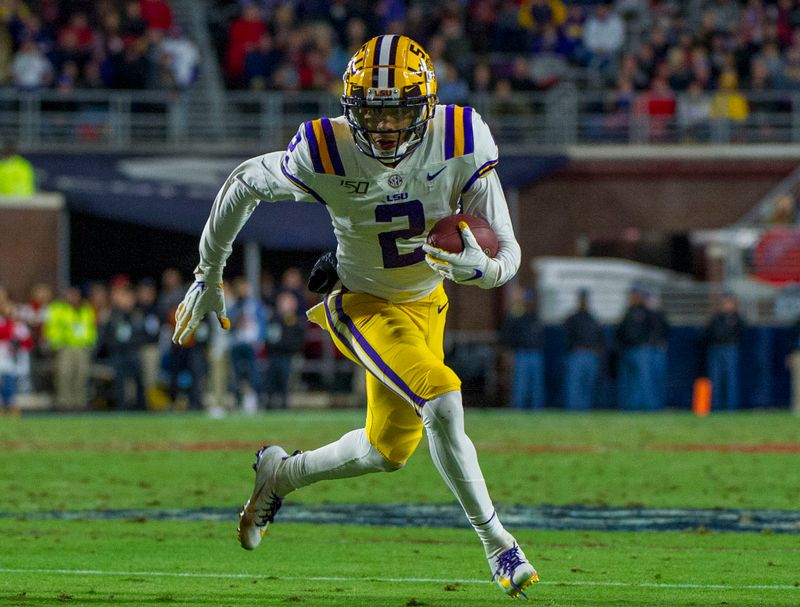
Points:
[(202, 297), (324, 275), (471, 266)]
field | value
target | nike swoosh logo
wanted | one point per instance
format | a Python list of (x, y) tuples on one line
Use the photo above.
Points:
[(478, 274), (432, 177), (440, 309)]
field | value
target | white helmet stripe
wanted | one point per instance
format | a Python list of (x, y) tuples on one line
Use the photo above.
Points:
[(384, 57)]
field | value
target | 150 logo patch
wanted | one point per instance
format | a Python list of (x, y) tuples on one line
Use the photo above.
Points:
[(355, 187)]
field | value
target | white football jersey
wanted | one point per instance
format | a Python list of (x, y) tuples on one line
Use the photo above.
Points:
[(381, 215)]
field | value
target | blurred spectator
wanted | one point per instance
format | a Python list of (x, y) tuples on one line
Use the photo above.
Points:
[(244, 34), (261, 62), (723, 336), (314, 73), (31, 69), (122, 339), (157, 14), (150, 351), (132, 24), (286, 332), (248, 327), (635, 382), (659, 341), (657, 106), (71, 333), (17, 175), (728, 106), (219, 359), (32, 313), (522, 333), (793, 363), (15, 340), (452, 87), (171, 293), (98, 299), (604, 35), (694, 113), (584, 337), (180, 58), (292, 280), (187, 365), (785, 210)]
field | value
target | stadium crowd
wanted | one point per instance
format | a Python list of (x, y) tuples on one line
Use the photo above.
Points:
[(661, 47), (108, 345), (644, 51), (83, 44)]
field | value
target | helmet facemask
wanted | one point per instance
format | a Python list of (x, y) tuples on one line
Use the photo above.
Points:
[(386, 126)]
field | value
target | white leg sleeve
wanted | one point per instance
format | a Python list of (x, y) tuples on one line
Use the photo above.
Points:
[(351, 455), (454, 456)]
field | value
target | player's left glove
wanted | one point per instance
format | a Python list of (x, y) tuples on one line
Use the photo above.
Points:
[(324, 276), (202, 297), (472, 266)]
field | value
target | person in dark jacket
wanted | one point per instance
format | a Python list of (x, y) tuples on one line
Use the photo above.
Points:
[(122, 337), (584, 337), (522, 333), (723, 337), (286, 334), (635, 387), (659, 341)]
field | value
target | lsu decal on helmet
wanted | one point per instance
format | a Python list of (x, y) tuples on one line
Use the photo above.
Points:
[(389, 96)]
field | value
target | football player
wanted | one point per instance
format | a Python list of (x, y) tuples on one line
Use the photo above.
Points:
[(386, 170)]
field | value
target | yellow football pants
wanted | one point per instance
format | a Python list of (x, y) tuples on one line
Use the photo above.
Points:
[(402, 348)]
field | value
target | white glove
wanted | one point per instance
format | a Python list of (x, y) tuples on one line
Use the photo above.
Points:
[(201, 298), (471, 266)]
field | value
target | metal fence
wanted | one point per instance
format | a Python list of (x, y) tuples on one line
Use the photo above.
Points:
[(88, 119)]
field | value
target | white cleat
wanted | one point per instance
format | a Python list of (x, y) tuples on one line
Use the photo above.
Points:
[(512, 572), (264, 503)]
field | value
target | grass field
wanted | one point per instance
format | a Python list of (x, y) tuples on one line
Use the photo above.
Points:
[(97, 469)]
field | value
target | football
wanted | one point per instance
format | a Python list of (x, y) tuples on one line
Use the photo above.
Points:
[(445, 234)]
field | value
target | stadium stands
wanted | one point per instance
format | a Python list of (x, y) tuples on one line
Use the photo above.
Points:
[(94, 45)]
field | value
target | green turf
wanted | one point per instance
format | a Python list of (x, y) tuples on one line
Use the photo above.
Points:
[(184, 461), (84, 462), (572, 563)]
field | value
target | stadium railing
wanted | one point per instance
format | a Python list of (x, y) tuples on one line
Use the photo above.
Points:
[(564, 115)]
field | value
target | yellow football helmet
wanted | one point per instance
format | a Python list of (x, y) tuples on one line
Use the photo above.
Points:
[(389, 96)]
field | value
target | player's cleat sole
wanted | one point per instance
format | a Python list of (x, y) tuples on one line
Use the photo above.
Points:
[(264, 503), (513, 573), (519, 591)]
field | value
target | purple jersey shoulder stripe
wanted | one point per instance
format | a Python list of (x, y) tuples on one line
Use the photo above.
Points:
[(313, 147), (299, 183), (469, 138), (374, 356), (333, 151), (449, 132), (484, 168)]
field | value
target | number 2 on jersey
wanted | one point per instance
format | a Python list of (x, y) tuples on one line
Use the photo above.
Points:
[(392, 258)]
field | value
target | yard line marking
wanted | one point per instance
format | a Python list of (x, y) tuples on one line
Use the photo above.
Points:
[(406, 580)]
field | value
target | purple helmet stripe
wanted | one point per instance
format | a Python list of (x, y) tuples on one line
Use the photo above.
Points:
[(393, 58), (313, 147), (449, 132), (333, 151), (375, 357)]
